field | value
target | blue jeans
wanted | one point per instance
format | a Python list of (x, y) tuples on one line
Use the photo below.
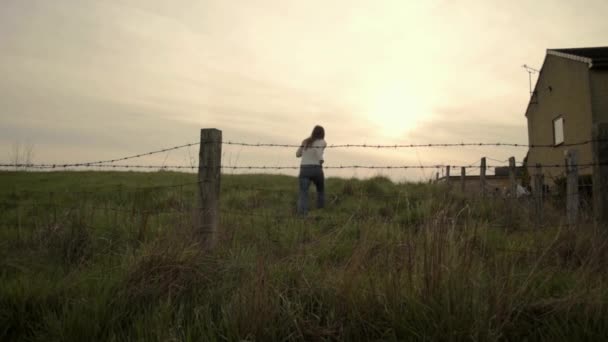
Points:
[(310, 173)]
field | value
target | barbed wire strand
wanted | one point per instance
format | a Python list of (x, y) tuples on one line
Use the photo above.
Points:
[(267, 167), (396, 146), (168, 149), (377, 146)]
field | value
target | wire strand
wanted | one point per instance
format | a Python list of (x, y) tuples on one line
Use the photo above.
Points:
[(267, 167), (395, 146)]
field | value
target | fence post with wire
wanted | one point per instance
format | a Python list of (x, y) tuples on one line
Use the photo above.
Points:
[(209, 176), (482, 176), (512, 177), (572, 196), (463, 176), (209, 172), (538, 191)]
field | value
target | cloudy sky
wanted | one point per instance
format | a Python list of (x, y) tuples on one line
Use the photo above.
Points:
[(83, 80)]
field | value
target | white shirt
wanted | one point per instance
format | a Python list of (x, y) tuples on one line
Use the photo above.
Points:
[(312, 155)]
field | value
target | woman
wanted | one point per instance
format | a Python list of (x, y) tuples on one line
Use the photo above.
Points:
[(311, 170)]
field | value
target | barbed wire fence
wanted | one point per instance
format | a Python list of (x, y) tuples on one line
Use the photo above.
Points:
[(110, 163), (210, 168)]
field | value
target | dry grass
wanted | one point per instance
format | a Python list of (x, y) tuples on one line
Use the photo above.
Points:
[(384, 262)]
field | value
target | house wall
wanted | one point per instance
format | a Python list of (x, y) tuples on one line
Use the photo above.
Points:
[(599, 92), (569, 97), (493, 184), (499, 185)]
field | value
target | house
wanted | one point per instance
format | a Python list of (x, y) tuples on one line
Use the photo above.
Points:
[(570, 97)]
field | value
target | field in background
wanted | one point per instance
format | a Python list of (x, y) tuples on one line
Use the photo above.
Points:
[(113, 256)]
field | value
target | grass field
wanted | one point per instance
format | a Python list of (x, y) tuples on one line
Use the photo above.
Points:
[(114, 256)]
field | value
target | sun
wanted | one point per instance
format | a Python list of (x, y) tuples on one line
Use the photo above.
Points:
[(397, 110)]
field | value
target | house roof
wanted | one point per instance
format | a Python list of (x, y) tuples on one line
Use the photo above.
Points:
[(596, 57)]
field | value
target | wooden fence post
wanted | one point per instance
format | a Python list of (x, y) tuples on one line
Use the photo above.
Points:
[(572, 186), (600, 172), (463, 176), (209, 175), (539, 191), (447, 175), (482, 176), (512, 179)]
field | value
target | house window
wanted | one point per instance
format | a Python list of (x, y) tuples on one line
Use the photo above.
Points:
[(558, 131)]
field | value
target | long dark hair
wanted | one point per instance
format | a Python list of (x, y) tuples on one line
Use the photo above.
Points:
[(317, 133)]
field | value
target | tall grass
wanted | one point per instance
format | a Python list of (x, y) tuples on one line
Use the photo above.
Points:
[(383, 261)]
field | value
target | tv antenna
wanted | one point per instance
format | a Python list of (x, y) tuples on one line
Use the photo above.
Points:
[(530, 71)]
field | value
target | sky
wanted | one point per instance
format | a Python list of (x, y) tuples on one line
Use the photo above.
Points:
[(88, 80)]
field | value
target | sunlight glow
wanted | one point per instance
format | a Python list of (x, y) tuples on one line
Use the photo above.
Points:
[(397, 110)]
